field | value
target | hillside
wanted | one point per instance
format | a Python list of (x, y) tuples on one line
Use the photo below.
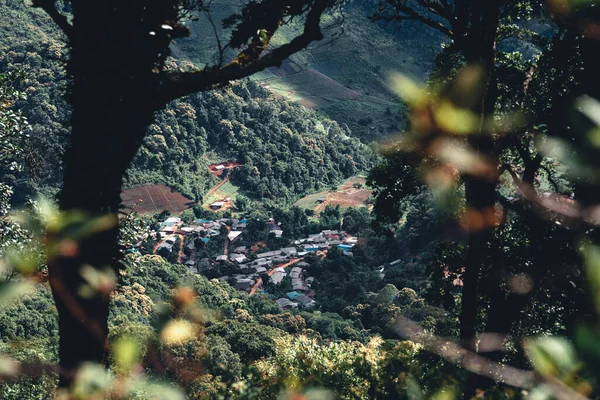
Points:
[(287, 150), (346, 75)]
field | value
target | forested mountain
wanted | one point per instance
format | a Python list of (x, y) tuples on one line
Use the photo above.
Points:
[(287, 150)]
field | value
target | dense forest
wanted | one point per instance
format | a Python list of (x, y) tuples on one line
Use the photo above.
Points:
[(470, 271)]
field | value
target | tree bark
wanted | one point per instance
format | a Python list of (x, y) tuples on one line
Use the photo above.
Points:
[(112, 63)]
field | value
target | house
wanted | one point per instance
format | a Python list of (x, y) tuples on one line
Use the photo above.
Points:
[(277, 277), (190, 263), (243, 286), (220, 167), (277, 232), (302, 264), (233, 235), (238, 258), (295, 273), (297, 284), (168, 229), (269, 254), (289, 251), (286, 304), (260, 270), (305, 300), (173, 220), (351, 241), (238, 226), (319, 239), (217, 205), (186, 229), (241, 250), (165, 245), (222, 258)]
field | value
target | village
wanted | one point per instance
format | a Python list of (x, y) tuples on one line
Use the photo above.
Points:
[(250, 264)]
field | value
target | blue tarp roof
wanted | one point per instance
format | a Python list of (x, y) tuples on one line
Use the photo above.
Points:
[(206, 240), (293, 295), (204, 221), (345, 247)]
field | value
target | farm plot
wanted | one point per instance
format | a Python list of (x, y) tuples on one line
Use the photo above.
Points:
[(346, 195), (150, 199)]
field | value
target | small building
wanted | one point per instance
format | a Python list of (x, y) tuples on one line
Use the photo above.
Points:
[(269, 254), (217, 205), (304, 300), (246, 286), (277, 277), (289, 251), (173, 220), (277, 232), (165, 245), (351, 241), (168, 229), (286, 304), (238, 258), (238, 226), (233, 235), (241, 250), (222, 258)]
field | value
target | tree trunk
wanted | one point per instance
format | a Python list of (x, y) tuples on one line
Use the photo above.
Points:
[(113, 59), (95, 163)]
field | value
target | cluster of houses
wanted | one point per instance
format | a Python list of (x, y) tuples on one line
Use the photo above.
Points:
[(278, 264)]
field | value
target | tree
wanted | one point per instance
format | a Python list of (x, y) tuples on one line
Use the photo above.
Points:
[(492, 84), (118, 66)]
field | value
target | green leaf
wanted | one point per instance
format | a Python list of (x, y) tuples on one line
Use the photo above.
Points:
[(551, 355)]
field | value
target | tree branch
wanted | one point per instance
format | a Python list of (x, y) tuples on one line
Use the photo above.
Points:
[(59, 19), (408, 13), (179, 84)]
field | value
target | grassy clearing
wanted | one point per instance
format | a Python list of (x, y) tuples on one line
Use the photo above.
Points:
[(346, 195), (224, 191)]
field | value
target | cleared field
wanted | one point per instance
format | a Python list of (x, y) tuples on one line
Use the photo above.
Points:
[(150, 199), (220, 192), (346, 195), (212, 168)]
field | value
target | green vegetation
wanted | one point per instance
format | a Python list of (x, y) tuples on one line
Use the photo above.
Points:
[(475, 275)]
